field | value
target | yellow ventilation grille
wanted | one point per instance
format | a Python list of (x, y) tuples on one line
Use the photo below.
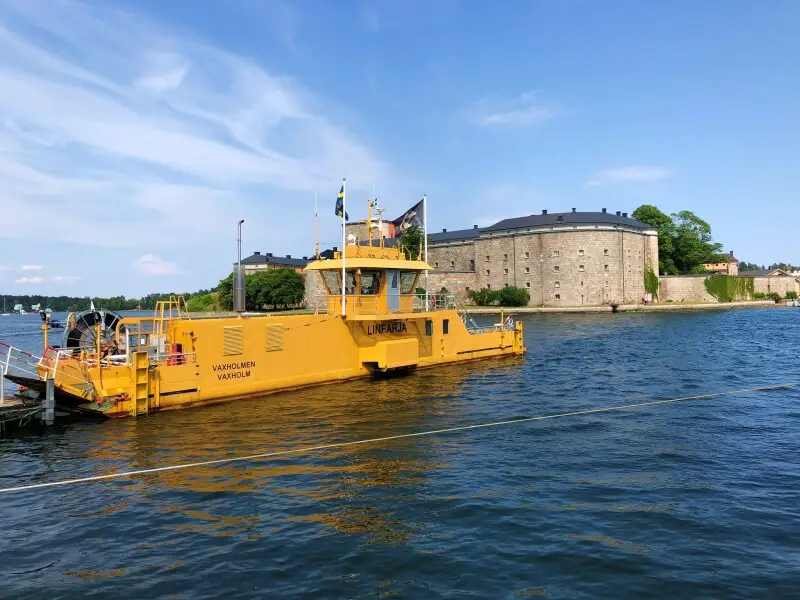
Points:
[(274, 337), (232, 338)]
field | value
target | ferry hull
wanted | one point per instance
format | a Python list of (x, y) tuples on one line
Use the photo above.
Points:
[(231, 358)]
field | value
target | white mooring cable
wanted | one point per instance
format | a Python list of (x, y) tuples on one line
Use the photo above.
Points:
[(400, 436)]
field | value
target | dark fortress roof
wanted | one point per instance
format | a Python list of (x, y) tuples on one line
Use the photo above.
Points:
[(268, 259), (571, 218), (454, 236)]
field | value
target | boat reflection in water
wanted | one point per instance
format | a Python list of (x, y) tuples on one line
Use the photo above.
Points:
[(333, 486)]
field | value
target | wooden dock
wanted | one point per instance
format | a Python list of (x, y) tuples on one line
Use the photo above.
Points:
[(16, 413)]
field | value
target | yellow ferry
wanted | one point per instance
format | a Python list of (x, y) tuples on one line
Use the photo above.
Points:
[(173, 359)]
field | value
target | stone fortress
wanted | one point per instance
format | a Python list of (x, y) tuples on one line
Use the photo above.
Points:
[(561, 259), (568, 259)]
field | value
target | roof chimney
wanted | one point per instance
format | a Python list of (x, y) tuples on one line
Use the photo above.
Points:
[(731, 253), (560, 218), (573, 210), (444, 230), (305, 258), (269, 253), (625, 215), (618, 213), (474, 226), (335, 249), (256, 253), (544, 211), (288, 256), (604, 210)]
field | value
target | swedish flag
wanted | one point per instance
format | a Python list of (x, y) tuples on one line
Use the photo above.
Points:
[(340, 204)]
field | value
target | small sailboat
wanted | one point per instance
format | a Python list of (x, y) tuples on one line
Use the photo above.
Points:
[(4, 313)]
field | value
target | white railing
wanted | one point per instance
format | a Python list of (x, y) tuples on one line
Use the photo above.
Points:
[(367, 304)]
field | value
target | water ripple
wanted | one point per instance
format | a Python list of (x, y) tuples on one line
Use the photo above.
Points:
[(693, 499)]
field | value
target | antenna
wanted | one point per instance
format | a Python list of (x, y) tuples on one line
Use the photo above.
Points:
[(316, 227)]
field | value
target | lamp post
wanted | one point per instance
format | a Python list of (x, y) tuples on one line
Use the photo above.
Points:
[(239, 245), (238, 280)]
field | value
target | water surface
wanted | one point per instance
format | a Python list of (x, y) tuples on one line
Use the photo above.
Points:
[(695, 499)]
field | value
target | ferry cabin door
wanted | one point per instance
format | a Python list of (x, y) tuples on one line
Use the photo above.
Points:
[(393, 291)]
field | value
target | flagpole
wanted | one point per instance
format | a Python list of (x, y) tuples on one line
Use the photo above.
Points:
[(425, 240), (344, 247), (316, 227)]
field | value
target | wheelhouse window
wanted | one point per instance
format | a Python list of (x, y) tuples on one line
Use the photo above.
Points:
[(370, 282), (332, 279), (407, 280)]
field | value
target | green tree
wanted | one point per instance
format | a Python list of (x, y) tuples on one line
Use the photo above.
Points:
[(411, 242), (225, 290), (484, 296), (288, 287), (274, 288), (514, 296), (684, 240), (693, 244), (665, 226), (205, 302), (746, 266), (785, 266)]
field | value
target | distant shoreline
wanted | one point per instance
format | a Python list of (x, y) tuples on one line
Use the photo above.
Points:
[(672, 306)]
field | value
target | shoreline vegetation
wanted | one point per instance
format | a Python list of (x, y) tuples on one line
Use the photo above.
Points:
[(663, 307)]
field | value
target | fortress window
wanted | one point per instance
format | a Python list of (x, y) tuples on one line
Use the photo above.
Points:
[(527, 255), (436, 265), (487, 258), (466, 289), (488, 272), (505, 256), (605, 252), (471, 264), (527, 269), (555, 269), (505, 271), (581, 268), (607, 284), (527, 284), (505, 285), (555, 253), (452, 263), (580, 252), (488, 286), (557, 284), (558, 296), (605, 268)]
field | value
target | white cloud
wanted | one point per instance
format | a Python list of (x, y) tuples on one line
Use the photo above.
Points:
[(65, 279), (630, 173), (165, 71), (30, 268), (519, 111), (150, 264), (126, 134), (29, 280)]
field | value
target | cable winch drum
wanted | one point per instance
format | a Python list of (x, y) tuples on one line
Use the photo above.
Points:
[(80, 330)]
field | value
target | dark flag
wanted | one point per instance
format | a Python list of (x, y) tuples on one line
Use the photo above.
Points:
[(413, 216)]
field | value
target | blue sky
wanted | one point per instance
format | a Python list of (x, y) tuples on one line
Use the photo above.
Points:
[(135, 134)]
